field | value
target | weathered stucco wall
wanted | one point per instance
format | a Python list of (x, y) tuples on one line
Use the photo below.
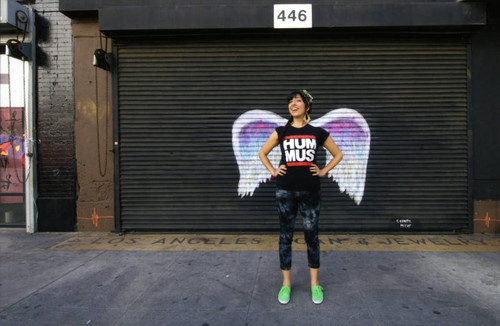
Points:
[(93, 132)]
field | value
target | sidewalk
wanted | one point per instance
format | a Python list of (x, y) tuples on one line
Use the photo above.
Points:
[(46, 281)]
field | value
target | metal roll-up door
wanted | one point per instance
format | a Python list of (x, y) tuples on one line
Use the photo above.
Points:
[(179, 97)]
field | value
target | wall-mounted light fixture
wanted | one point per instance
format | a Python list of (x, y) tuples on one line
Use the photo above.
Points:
[(102, 59)]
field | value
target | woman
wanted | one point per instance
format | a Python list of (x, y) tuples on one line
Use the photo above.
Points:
[(298, 185)]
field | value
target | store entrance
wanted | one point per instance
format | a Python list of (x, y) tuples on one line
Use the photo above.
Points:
[(12, 153)]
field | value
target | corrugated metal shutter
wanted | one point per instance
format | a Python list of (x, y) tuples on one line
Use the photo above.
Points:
[(178, 99)]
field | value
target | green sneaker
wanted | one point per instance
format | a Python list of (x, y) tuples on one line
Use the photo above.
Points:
[(284, 295), (317, 294)]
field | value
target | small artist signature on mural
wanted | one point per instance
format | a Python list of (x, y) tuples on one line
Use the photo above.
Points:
[(404, 223)]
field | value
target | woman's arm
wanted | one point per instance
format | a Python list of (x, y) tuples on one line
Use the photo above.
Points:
[(337, 157), (272, 142)]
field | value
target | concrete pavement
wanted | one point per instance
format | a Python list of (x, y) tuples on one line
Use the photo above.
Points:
[(42, 282)]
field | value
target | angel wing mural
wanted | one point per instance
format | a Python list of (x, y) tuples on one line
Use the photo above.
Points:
[(347, 127)]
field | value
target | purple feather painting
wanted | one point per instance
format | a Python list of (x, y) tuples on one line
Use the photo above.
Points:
[(347, 127)]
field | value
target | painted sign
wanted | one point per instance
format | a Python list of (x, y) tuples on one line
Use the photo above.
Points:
[(269, 242)]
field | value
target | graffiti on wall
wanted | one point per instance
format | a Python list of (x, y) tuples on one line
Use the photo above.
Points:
[(12, 155), (347, 127)]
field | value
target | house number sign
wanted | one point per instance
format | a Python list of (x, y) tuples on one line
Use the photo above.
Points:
[(293, 16)]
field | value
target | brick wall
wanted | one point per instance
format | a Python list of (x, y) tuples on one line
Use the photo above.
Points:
[(55, 120)]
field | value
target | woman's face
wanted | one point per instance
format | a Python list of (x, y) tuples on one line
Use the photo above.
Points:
[(297, 107)]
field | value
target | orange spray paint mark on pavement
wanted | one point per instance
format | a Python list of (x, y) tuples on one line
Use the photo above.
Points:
[(95, 218)]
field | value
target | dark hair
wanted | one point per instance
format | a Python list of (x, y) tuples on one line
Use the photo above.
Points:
[(290, 119)]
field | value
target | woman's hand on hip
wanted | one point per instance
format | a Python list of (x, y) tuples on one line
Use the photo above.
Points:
[(316, 171), (281, 170)]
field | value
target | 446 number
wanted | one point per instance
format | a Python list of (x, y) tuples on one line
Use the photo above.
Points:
[(301, 16)]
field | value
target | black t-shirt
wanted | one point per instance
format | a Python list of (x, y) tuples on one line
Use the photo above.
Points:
[(299, 148)]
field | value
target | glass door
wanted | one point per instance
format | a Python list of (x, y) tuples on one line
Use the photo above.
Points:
[(12, 153)]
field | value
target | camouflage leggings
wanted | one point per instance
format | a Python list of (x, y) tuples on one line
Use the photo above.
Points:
[(308, 203)]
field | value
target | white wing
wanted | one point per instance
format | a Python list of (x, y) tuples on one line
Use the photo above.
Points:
[(250, 131), (350, 131)]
